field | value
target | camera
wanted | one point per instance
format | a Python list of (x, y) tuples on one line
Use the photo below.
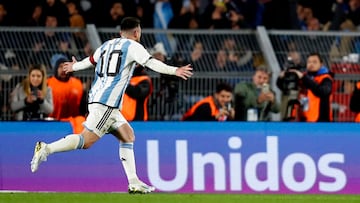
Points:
[(291, 79), (171, 85)]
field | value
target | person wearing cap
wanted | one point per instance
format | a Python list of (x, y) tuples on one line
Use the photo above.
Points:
[(67, 93)]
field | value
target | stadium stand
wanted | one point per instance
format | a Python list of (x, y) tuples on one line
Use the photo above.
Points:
[(172, 97), (246, 34)]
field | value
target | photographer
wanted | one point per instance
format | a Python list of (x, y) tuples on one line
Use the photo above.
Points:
[(314, 87), (166, 96), (288, 82)]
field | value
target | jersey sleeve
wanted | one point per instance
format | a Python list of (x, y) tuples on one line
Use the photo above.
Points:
[(138, 53), (96, 56)]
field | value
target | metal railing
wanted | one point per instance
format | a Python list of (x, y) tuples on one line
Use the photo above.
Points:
[(216, 55)]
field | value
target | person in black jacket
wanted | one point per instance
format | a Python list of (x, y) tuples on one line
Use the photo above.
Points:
[(355, 102), (137, 94)]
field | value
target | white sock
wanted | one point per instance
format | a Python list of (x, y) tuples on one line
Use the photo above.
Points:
[(70, 142), (126, 154)]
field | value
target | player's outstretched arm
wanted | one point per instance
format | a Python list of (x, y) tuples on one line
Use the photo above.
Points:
[(184, 72), (75, 65)]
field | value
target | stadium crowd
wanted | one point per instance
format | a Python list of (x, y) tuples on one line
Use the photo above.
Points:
[(308, 15), (187, 14)]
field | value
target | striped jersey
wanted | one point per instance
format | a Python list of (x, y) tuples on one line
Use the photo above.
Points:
[(115, 62)]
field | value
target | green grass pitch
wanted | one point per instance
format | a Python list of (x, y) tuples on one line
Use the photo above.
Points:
[(8, 197)]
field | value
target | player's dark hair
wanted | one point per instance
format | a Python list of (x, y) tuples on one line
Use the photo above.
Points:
[(129, 23), (223, 86), (317, 55)]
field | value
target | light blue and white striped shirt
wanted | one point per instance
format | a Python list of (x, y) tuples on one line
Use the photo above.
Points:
[(115, 62)]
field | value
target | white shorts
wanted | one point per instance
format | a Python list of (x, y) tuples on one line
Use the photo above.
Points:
[(103, 119)]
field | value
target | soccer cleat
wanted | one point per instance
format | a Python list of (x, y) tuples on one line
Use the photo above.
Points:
[(140, 188), (40, 155)]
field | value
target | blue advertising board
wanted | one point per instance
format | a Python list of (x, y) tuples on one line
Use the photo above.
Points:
[(192, 157)]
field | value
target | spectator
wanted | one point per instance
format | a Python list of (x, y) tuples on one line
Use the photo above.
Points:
[(9, 61), (136, 97), (36, 18), (90, 10), (75, 19), (305, 15), (4, 20), (49, 42), (86, 49), (185, 15), (115, 12), (215, 107), (57, 9), (32, 99), (346, 13), (255, 100), (237, 59), (145, 11), (221, 60), (313, 24), (114, 16), (355, 102), (67, 93), (315, 95), (214, 16), (197, 57)]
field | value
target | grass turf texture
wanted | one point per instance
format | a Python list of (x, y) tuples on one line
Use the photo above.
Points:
[(173, 198)]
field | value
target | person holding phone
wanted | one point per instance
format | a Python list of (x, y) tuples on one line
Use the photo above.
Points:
[(255, 100), (32, 98), (216, 107)]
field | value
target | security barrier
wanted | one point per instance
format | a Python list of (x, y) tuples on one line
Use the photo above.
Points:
[(244, 50)]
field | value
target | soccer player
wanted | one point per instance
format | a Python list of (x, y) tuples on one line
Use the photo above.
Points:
[(114, 63)]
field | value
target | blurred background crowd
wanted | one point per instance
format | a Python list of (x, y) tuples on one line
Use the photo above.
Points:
[(232, 48), (187, 14)]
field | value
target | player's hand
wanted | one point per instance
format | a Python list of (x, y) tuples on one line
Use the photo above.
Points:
[(184, 72), (67, 67)]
